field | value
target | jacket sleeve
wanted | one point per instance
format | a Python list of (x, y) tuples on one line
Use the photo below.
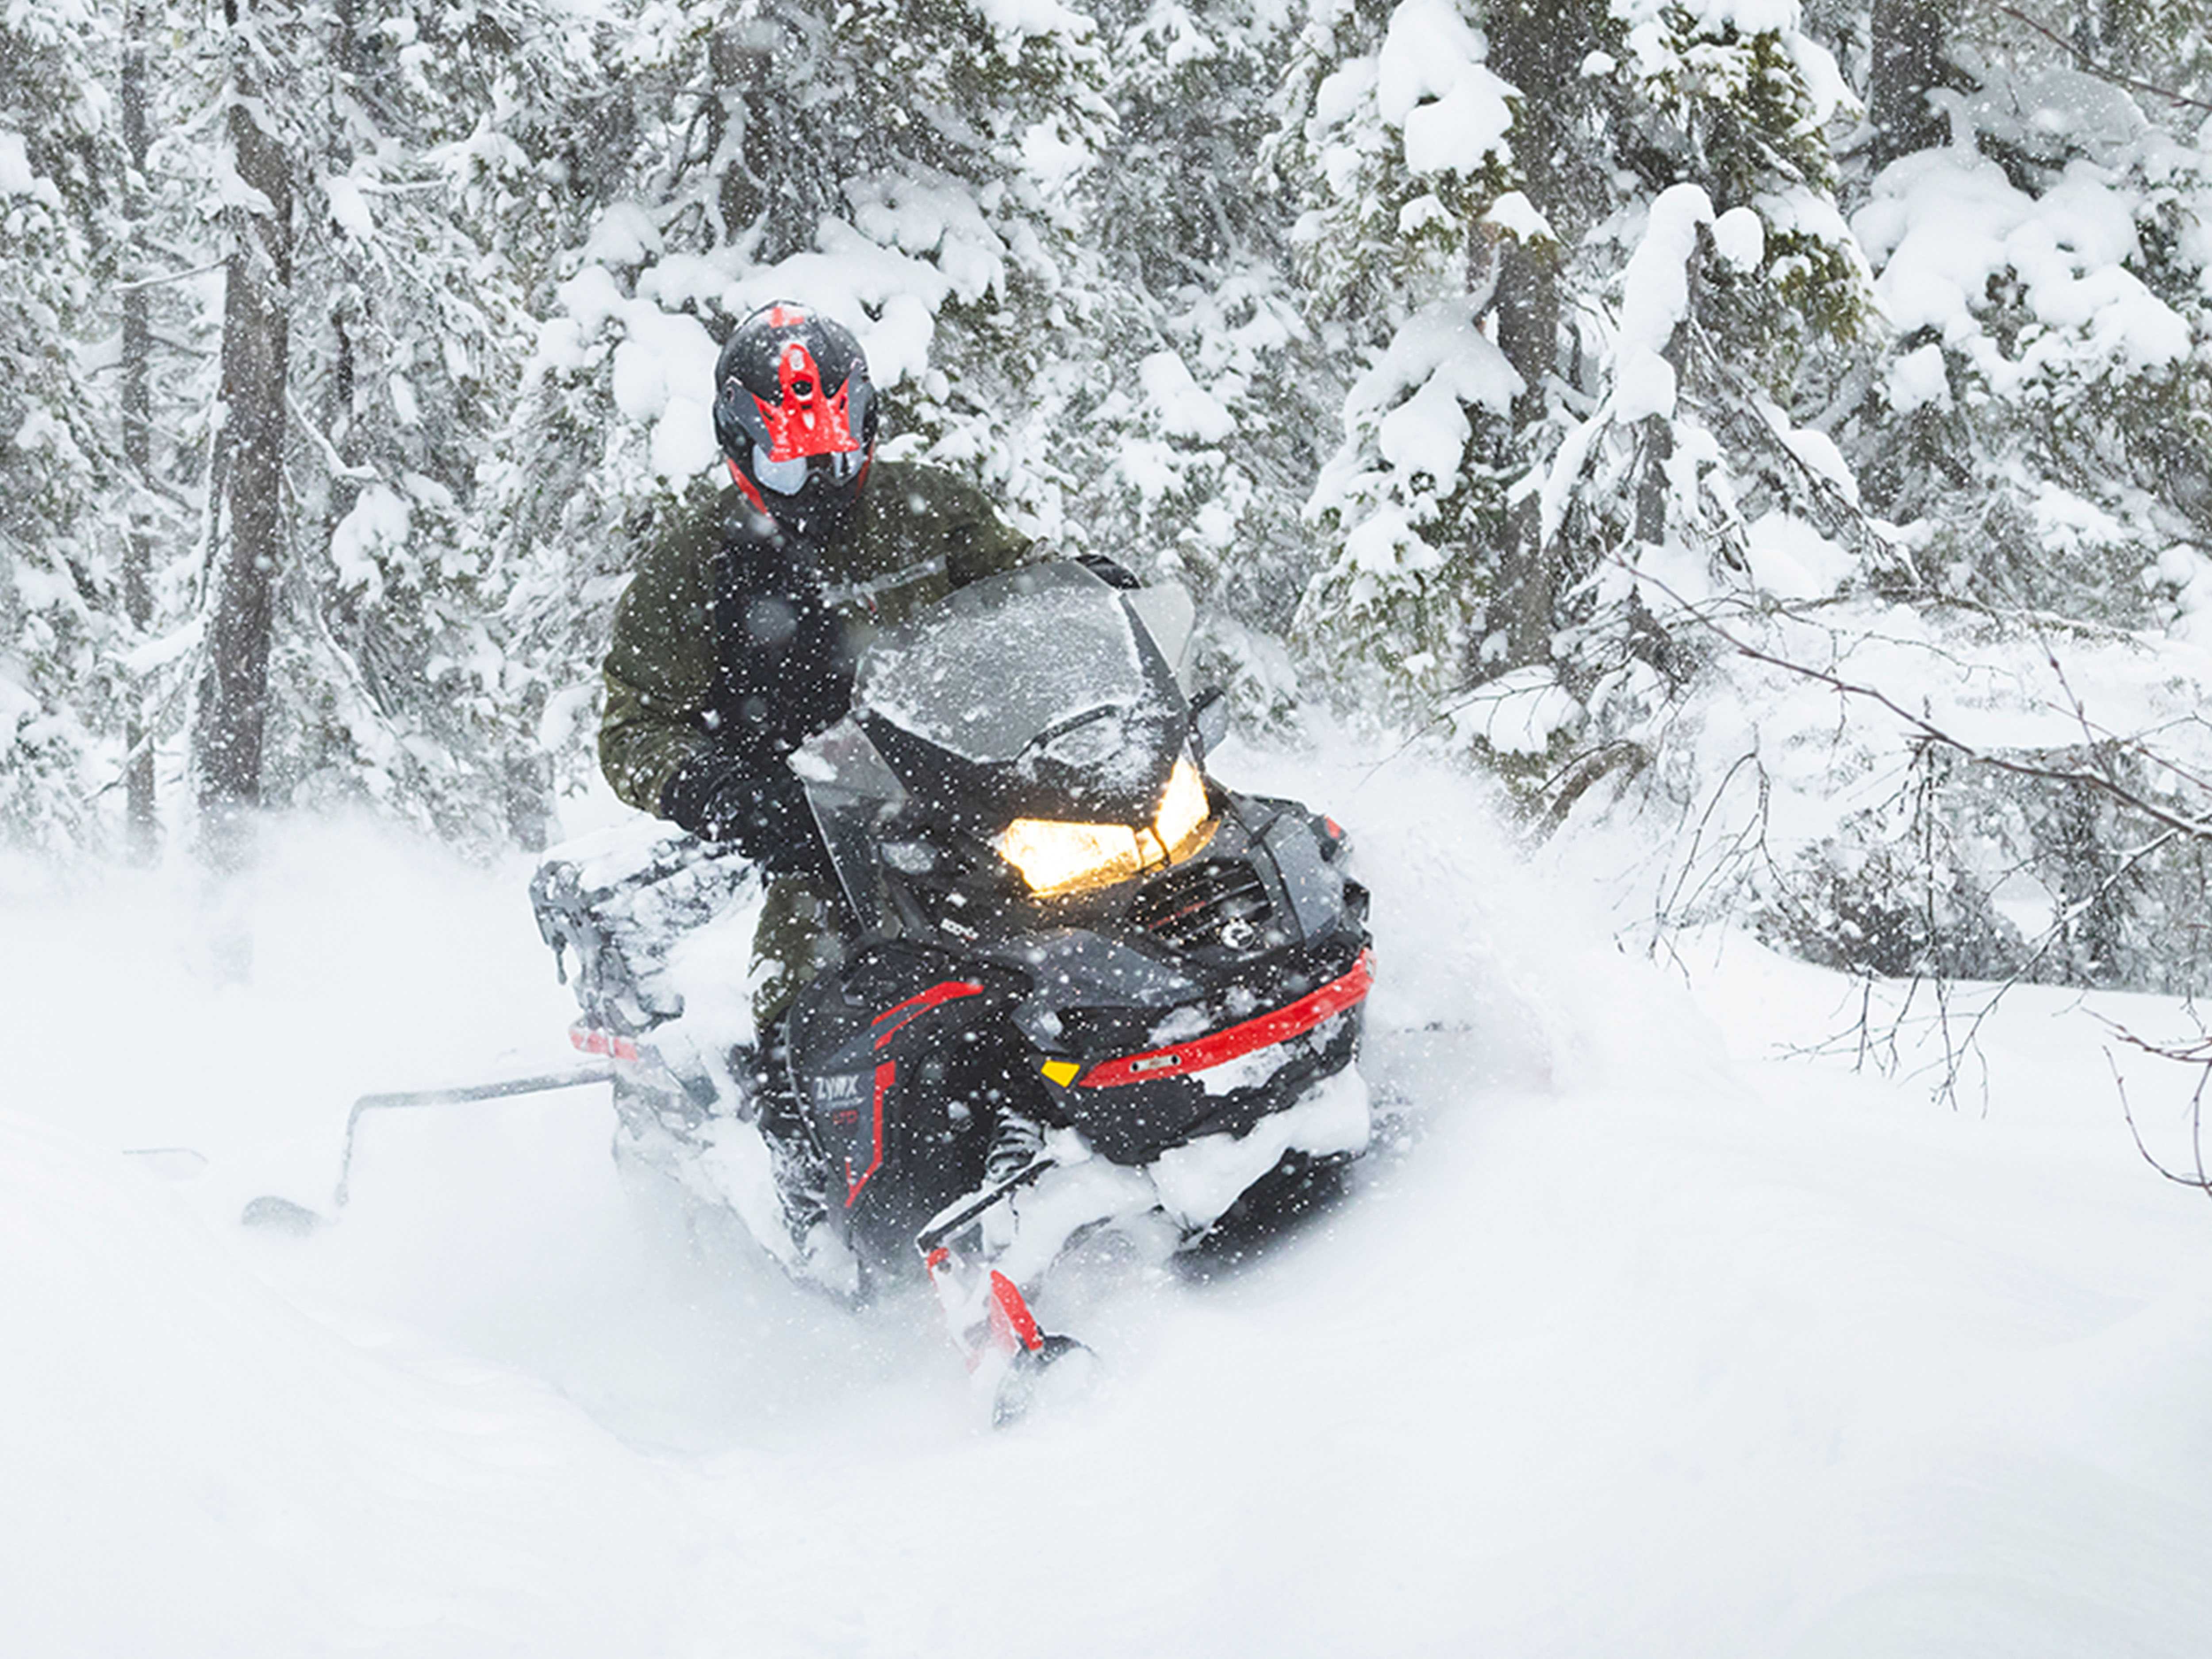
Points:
[(658, 671), (978, 542)]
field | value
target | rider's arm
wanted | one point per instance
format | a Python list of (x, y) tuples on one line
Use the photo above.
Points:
[(657, 745), (660, 672)]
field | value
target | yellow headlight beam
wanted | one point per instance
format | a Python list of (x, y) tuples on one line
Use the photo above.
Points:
[(1062, 858), (1057, 857)]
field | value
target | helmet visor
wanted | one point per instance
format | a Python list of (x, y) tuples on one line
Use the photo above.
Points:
[(788, 477)]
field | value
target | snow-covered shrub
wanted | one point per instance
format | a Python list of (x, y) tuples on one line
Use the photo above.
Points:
[(1983, 873), (2041, 416), (1934, 791)]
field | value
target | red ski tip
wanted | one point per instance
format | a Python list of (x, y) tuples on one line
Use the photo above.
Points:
[(1012, 1321)]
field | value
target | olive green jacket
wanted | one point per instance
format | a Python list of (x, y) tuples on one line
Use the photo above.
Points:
[(918, 532)]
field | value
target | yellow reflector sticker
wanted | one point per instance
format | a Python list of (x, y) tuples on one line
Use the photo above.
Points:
[(1061, 1072)]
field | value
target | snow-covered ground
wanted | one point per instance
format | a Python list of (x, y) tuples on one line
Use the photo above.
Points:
[(1640, 1340)]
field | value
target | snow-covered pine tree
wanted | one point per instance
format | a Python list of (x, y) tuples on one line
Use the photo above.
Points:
[(136, 407), (1971, 783), (1202, 402), (450, 155), (1597, 300), (427, 154), (1394, 143), (2035, 423), (166, 304), (61, 610), (261, 60), (2041, 418)]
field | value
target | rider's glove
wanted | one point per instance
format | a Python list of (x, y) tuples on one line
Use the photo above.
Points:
[(716, 798), (1112, 572)]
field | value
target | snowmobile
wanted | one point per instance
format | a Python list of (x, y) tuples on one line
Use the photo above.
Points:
[(1082, 985)]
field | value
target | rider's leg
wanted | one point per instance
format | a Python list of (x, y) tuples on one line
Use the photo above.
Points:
[(795, 940)]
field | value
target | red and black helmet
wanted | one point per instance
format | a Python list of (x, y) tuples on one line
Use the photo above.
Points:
[(796, 414)]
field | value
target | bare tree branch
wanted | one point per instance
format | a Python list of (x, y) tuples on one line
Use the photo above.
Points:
[(2199, 1055), (2197, 828), (1959, 1031), (2093, 67)]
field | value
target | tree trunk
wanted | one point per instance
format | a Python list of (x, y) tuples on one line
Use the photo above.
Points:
[(234, 697), (739, 66), (142, 825), (1909, 40), (1539, 46), (1528, 309)]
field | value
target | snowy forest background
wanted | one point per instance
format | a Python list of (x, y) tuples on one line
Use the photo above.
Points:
[(1784, 430)]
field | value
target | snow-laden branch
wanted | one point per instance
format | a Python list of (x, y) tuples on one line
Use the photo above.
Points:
[(170, 276)]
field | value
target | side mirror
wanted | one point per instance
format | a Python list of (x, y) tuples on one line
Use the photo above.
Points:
[(1209, 719)]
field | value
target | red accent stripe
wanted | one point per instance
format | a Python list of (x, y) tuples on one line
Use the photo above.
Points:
[(593, 1040), (1011, 1318), (752, 494), (1231, 1042), (920, 1003), (886, 1074)]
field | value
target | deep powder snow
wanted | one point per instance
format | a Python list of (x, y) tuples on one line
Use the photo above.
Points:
[(1635, 1339)]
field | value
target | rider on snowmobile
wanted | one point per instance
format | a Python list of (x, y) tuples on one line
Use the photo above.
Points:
[(738, 640), (739, 636)]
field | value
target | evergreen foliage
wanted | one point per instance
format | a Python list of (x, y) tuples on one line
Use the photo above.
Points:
[(58, 614), (1501, 371), (438, 148), (2039, 413), (1660, 199)]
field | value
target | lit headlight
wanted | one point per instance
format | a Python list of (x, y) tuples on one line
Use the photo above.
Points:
[(1056, 857), (1181, 819)]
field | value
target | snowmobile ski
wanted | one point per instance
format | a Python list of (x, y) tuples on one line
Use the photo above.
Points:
[(287, 1215)]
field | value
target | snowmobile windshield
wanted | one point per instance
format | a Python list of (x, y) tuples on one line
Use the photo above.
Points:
[(1042, 664)]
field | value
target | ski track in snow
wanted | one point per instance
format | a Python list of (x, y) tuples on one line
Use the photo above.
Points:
[(1634, 1339)]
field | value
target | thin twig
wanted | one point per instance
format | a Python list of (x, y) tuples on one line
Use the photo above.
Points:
[(172, 276), (2200, 1180), (2091, 65), (2197, 828), (339, 466), (2053, 933)]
